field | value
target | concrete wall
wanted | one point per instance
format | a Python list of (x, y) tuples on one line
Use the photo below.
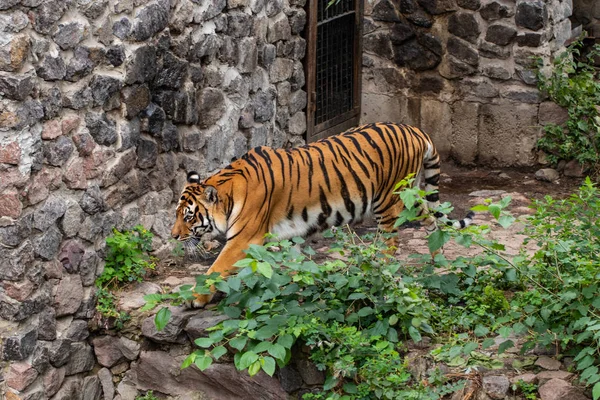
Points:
[(461, 70)]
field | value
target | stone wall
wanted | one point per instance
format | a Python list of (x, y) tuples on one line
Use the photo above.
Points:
[(461, 70), (104, 105), (587, 14)]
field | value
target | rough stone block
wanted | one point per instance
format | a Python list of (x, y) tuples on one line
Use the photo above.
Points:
[(498, 145), (20, 376), (464, 139), (436, 122)]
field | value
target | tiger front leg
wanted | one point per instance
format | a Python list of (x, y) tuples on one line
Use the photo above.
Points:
[(232, 252)]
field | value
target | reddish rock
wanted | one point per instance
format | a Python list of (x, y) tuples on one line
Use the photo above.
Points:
[(44, 181), (107, 350), (548, 363), (574, 170), (53, 269), (10, 153), (75, 177), (51, 130), (95, 165), (84, 142), (20, 375), (545, 376), (10, 205), (12, 178), (69, 295), (18, 290), (557, 389), (69, 124), (527, 378), (53, 379)]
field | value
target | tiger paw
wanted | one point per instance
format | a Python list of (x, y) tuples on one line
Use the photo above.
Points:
[(199, 301)]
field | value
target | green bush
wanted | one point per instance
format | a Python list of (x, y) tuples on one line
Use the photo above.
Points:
[(126, 260), (574, 84)]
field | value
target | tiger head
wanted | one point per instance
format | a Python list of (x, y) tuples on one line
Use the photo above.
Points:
[(198, 216)]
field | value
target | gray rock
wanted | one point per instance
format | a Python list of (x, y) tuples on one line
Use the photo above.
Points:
[(247, 52), (13, 310), (107, 350), (69, 295), (169, 138), (57, 152), (88, 306), (530, 39), (78, 98), (297, 80), (52, 380), (92, 390), (547, 174), (297, 19), (496, 386), (462, 51), (464, 25), (78, 331), (129, 348), (309, 372), (172, 72), (47, 245), (147, 153), (495, 10), (173, 331), (469, 4), (497, 72), (20, 345), (51, 68), (103, 88), (47, 324), (54, 207), (490, 50), (416, 56), (101, 128), (487, 193), (80, 64), (72, 219), (40, 358), (16, 86), (280, 70), (264, 105), (531, 15), (92, 8), (130, 134), (279, 29), (205, 48), (70, 34), (501, 34), (7, 4), (150, 20), (211, 106), (297, 101), (197, 325), (548, 363), (574, 169), (141, 67), (239, 24), (436, 7), (290, 379), (92, 201), (60, 351), (70, 390), (122, 28), (108, 387), (51, 102), (47, 15), (81, 360), (115, 55), (87, 268)]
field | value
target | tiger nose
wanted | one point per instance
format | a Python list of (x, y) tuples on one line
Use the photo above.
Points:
[(174, 234)]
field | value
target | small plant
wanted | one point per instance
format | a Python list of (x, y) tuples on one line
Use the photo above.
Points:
[(149, 395), (127, 260), (574, 84), (528, 390)]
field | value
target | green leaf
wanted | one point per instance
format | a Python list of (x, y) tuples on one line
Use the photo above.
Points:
[(265, 269), (330, 383), (363, 312), (277, 351), (350, 388), (204, 342), (481, 330), (254, 368), (218, 352), (596, 391), (203, 362), (161, 318), (414, 334), (232, 312), (505, 346), (437, 239), (487, 343), (266, 332), (247, 359), (479, 208), (393, 320), (469, 347), (238, 343), (188, 361), (506, 220), (234, 283), (268, 365), (495, 210), (286, 341)]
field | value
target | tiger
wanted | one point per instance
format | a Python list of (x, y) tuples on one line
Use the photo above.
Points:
[(304, 190)]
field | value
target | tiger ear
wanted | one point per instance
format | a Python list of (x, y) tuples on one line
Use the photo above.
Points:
[(210, 192), (193, 177)]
